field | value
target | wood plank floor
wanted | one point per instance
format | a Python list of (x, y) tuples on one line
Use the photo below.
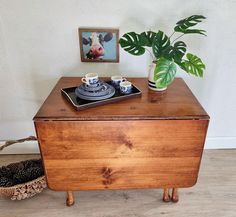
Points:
[(213, 196)]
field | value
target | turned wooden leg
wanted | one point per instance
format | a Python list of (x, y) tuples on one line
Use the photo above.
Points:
[(166, 196), (70, 198), (175, 196)]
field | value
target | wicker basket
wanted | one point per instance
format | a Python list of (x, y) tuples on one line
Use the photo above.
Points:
[(24, 190)]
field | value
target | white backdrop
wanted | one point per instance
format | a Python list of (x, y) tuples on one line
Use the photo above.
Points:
[(39, 44)]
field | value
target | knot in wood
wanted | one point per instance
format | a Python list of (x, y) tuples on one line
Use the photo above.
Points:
[(106, 172)]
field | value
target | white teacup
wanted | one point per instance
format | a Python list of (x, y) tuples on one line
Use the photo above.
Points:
[(117, 79), (125, 87), (90, 78)]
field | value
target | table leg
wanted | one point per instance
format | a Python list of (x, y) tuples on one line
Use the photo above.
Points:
[(70, 198), (166, 196), (175, 196)]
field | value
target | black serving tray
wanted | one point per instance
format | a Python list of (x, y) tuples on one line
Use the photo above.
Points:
[(80, 104)]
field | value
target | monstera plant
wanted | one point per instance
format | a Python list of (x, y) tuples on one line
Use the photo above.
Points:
[(167, 52)]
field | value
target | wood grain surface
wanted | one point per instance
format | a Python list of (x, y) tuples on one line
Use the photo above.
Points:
[(118, 155), (177, 102), (155, 141), (213, 196)]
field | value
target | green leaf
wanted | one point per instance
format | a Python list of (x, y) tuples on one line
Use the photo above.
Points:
[(175, 52), (133, 43), (184, 25), (149, 35), (193, 65), (190, 21), (160, 43), (198, 31), (164, 72)]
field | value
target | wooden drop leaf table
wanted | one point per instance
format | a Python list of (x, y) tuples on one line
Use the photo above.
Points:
[(155, 141)]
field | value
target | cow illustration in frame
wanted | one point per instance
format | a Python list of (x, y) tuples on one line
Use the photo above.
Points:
[(99, 45)]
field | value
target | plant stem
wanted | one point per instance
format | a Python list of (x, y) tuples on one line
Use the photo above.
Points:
[(177, 38), (172, 34), (150, 53)]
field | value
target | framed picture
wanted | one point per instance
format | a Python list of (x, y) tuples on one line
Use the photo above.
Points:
[(99, 44)]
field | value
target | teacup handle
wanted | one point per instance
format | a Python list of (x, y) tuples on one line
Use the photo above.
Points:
[(84, 80)]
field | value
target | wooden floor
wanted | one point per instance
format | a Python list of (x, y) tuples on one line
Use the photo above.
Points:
[(213, 196)]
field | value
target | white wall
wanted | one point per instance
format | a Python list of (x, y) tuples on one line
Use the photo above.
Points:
[(39, 43)]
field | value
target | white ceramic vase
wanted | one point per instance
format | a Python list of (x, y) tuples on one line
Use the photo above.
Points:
[(151, 82)]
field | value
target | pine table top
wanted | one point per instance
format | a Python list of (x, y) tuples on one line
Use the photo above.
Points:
[(177, 102)]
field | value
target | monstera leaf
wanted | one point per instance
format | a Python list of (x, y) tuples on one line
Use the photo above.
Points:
[(192, 31), (149, 35), (193, 65), (164, 72), (175, 52), (184, 25), (160, 43), (133, 43)]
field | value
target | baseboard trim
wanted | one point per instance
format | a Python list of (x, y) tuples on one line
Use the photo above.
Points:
[(220, 143), (31, 147)]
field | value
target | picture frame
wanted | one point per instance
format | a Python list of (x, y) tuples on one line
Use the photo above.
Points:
[(99, 44)]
